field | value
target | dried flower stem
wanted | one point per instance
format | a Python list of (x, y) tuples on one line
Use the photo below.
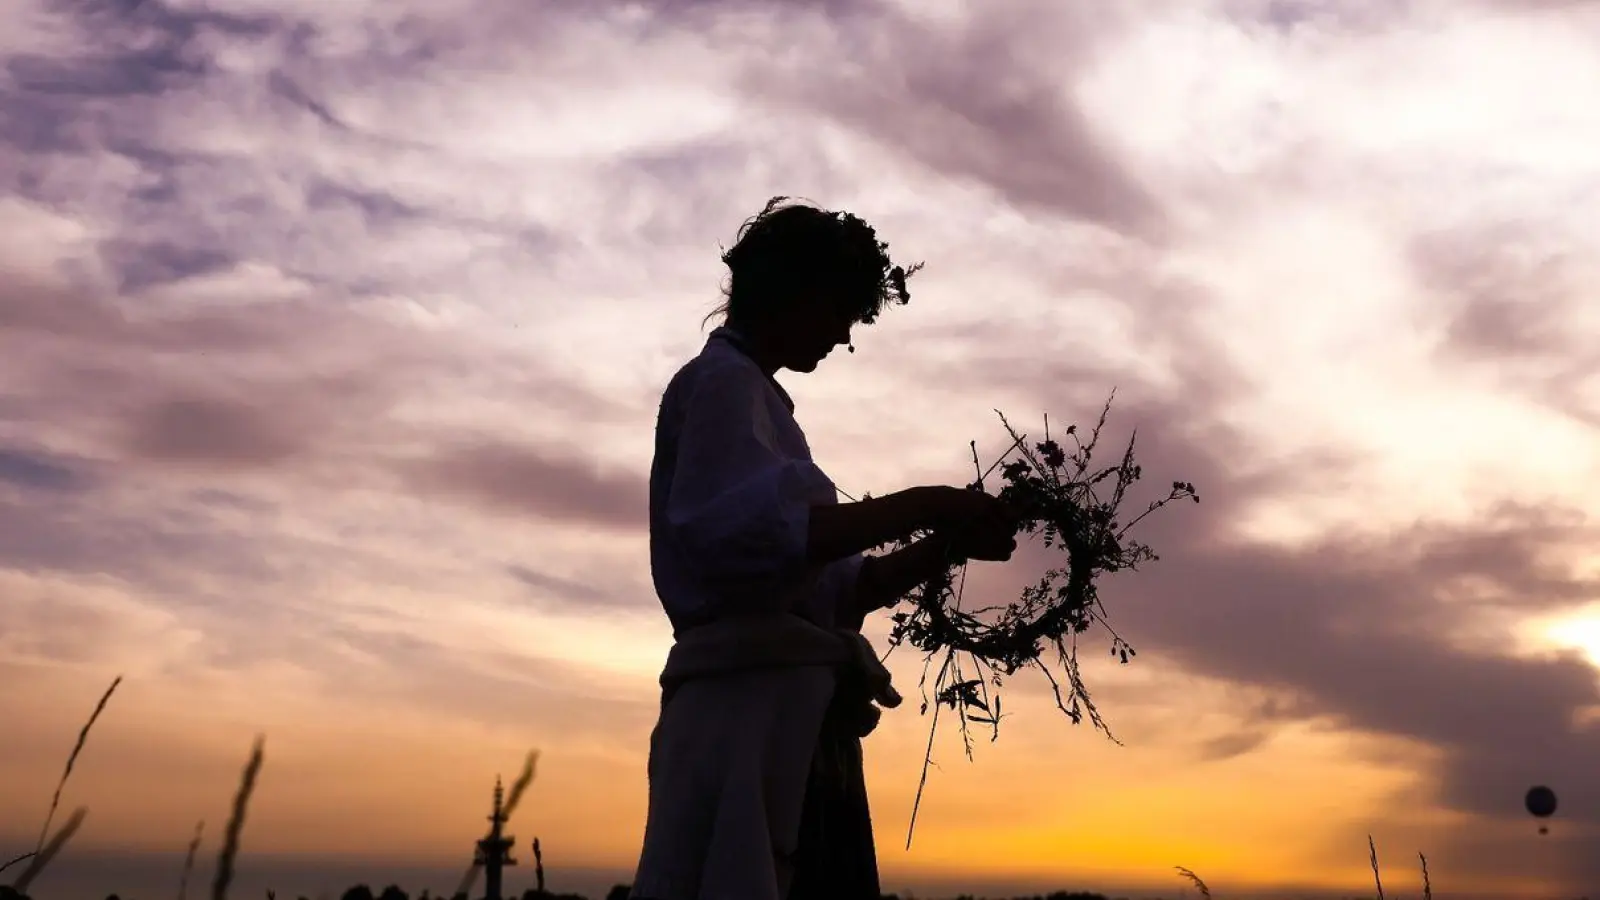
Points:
[(927, 760)]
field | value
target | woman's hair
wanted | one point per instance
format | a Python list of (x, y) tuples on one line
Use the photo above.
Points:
[(797, 253)]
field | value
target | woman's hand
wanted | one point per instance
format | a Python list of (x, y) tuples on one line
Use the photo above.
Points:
[(967, 524), (989, 542), (975, 525), (837, 530), (952, 508)]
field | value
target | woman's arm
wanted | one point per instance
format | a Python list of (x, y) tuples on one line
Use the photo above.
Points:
[(881, 581), (839, 530), (885, 579)]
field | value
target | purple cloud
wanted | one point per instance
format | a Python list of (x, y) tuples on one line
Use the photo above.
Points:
[(524, 479)]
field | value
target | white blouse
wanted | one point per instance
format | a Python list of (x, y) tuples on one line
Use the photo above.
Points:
[(731, 488), (730, 496)]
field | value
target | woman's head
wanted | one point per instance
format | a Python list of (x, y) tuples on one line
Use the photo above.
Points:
[(800, 277)]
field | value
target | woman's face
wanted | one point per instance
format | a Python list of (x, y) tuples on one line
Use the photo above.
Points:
[(812, 332)]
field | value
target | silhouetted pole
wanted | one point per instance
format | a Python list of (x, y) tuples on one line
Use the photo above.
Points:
[(494, 851)]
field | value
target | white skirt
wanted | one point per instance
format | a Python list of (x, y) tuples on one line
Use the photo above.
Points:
[(729, 759)]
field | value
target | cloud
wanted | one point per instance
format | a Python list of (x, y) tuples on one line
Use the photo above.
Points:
[(43, 471), (520, 479), (1537, 6), (590, 596), (1293, 17), (255, 384), (1508, 290), (186, 429), (968, 101), (1514, 298), (1230, 746)]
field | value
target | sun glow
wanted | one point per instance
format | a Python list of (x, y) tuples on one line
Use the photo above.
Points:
[(1580, 632)]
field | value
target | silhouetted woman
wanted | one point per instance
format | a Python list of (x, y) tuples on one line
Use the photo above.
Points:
[(756, 787)]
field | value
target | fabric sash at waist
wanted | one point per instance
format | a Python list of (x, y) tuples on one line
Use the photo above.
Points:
[(741, 643)]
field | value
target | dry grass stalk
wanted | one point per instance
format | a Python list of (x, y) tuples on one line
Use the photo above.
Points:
[(538, 866), (468, 879), (230, 841), (42, 857), (83, 735), (1201, 885), (188, 861), (1372, 849), (524, 778), (1427, 885), (18, 859)]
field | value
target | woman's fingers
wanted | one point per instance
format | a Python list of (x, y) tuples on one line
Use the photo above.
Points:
[(991, 542), (980, 525)]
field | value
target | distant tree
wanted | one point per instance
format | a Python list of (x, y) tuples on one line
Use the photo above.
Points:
[(619, 892), (393, 892), (359, 892)]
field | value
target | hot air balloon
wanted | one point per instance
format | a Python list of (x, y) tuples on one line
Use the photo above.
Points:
[(1541, 802)]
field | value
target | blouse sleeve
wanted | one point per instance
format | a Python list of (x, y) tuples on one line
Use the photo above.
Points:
[(838, 606), (738, 508)]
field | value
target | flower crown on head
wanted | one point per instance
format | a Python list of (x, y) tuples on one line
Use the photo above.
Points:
[(869, 261)]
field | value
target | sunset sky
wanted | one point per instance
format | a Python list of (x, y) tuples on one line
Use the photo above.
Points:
[(332, 333)]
